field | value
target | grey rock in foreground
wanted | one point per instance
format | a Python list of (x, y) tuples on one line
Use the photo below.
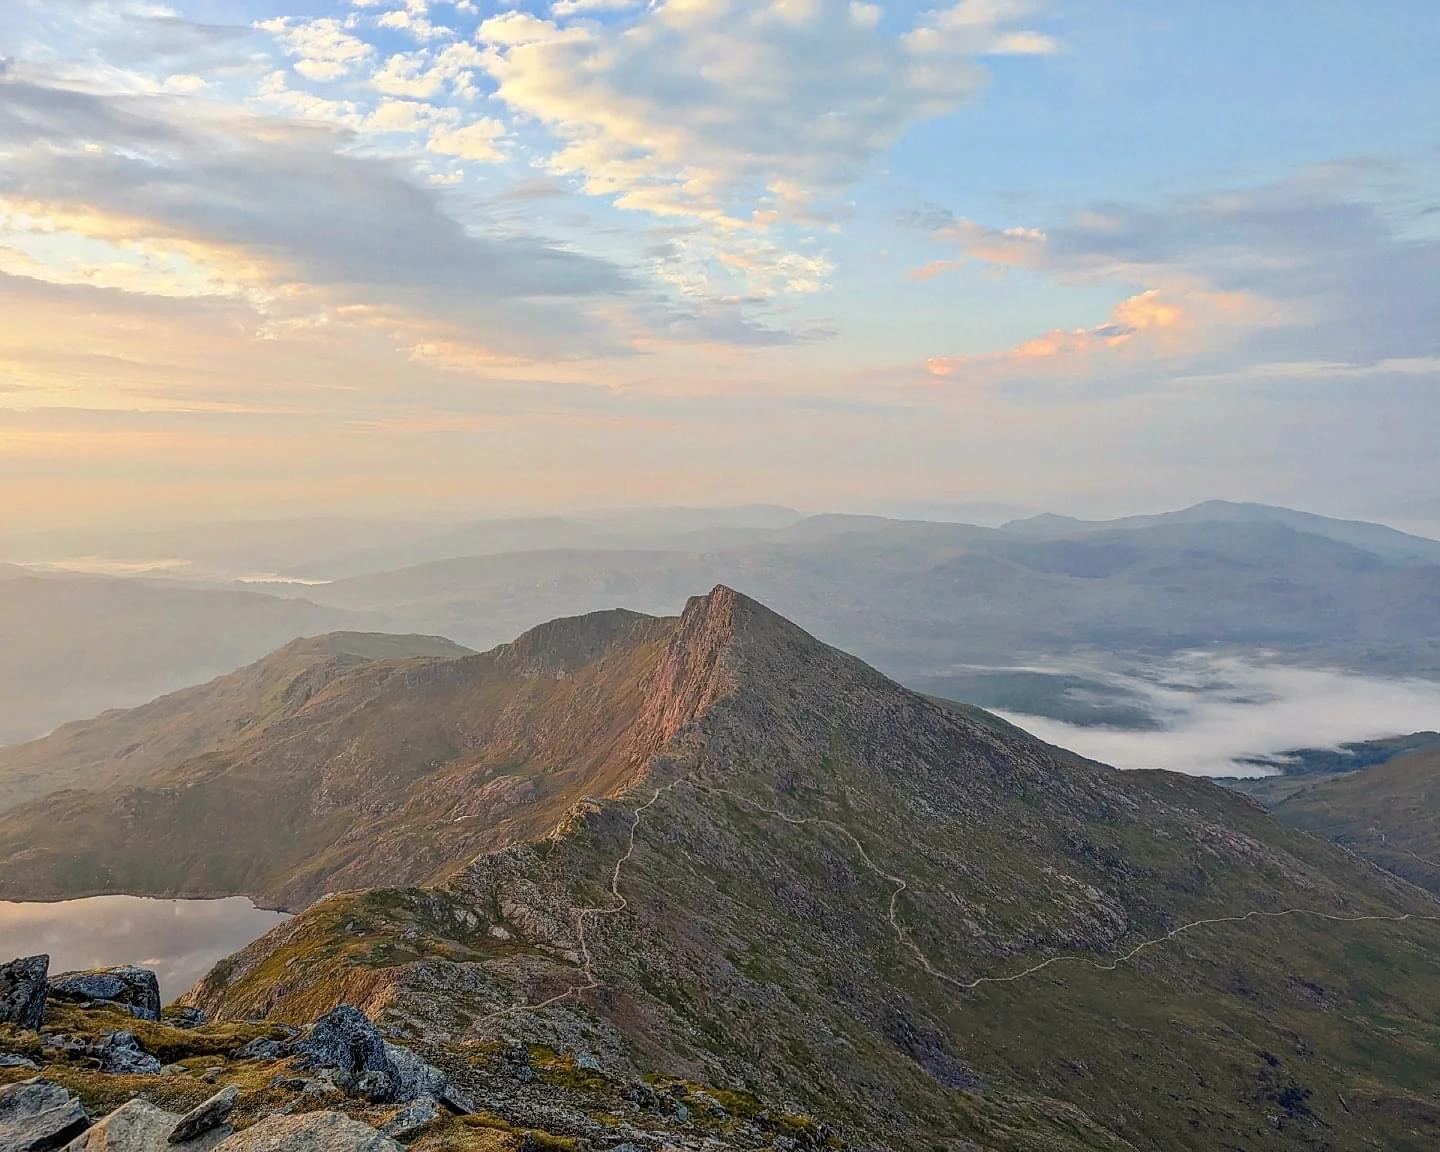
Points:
[(413, 1117), (205, 1117), (37, 1115), (22, 991), (138, 1126), (312, 1132), (125, 986)]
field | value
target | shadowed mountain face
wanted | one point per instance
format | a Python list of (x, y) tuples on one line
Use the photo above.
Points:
[(128, 746), (716, 847), (350, 772)]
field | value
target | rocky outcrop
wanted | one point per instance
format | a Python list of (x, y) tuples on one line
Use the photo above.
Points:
[(204, 1117), (138, 1126), (136, 990), (37, 1115), (117, 1052), (312, 1132), (345, 1043), (22, 991)]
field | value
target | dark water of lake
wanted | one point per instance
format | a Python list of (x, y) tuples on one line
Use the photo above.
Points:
[(180, 939)]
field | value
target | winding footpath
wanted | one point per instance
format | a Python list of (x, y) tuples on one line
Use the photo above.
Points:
[(619, 903), (581, 917)]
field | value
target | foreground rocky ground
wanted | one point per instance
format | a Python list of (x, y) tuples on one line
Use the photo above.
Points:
[(89, 1062)]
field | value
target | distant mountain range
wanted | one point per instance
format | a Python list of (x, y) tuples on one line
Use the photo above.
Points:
[(949, 608), (711, 846)]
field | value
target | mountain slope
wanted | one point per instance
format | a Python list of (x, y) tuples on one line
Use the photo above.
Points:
[(73, 645), (122, 747), (818, 884), (368, 771), (1389, 813)]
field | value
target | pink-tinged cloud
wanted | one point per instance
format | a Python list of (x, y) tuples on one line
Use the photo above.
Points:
[(1001, 248), (1156, 323)]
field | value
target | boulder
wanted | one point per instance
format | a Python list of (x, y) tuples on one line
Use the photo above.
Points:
[(205, 1117), (345, 1041), (37, 1115), (139, 1126), (185, 1017), (22, 991), (125, 986), (312, 1132), (262, 1048), (121, 1052), (413, 1117), (415, 1080), (15, 1060)]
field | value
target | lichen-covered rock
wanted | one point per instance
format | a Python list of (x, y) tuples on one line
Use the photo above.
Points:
[(345, 1041), (312, 1132), (262, 1048), (125, 985), (120, 1052), (37, 1115), (414, 1116), (204, 1117), (22, 991), (139, 1126), (415, 1080)]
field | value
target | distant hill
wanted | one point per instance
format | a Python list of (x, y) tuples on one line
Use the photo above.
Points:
[(127, 747), (73, 645), (1301, 768), (1385, 542), (951, 609), (1389, 813), (637, 528)]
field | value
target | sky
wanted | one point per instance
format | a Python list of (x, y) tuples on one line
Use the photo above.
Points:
[(421, 257)]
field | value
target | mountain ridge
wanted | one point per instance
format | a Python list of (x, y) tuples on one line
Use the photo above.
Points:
[(823, 886)]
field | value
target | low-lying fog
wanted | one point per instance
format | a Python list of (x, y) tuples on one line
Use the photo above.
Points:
[(1211, 713)]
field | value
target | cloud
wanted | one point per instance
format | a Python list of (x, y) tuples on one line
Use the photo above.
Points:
[(1159, 325), (1296, 272), (741, 115), (416, 22), (574, 7), (478, 140), (1213, 712), (289, 216), (323, 49)]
